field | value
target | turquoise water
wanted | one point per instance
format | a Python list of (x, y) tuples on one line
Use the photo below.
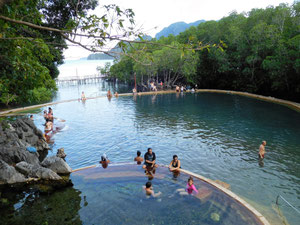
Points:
[(115, 196), (121, 199), (215, 135)]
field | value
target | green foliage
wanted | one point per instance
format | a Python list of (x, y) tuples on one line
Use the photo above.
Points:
[(258, 52), (39, 95), (29, 57), (104, 70)]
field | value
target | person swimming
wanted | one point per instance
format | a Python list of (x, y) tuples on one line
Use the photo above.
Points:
[(149, 190)]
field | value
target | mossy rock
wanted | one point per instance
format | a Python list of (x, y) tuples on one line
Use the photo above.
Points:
[(4, 202), (45, 188), (215, 217)]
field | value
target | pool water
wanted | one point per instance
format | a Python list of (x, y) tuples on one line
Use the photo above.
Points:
[(116, 196), (214, 135)]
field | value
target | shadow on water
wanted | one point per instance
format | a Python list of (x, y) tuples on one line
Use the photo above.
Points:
[(32, 207)]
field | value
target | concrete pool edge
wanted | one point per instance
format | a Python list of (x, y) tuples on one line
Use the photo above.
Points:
[(231, 194), (261, 218), (292, 105)]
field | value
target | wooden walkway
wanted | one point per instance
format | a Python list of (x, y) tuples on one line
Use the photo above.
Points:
[(77, 80)]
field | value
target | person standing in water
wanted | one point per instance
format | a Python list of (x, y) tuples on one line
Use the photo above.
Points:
[(109, 94), (262, 150), (83, 98), (175, 164), (138, 158)]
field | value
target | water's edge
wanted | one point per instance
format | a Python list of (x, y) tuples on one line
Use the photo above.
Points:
[(292, 105)]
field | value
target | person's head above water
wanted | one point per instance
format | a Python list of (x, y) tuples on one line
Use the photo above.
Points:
[(190, 181), (149, 150), (103, 157), (138, 153), (264, 143), (148, 184)]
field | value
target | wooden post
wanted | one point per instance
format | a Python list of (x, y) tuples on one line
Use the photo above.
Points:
[(135, 81)]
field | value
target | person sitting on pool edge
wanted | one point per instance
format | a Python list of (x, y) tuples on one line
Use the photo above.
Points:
[(104, 161), (138, 158), (149, 164), (175, 164), (149, 190)]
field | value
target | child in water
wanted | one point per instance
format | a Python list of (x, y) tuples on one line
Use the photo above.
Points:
[(149, 190), (190, 187)]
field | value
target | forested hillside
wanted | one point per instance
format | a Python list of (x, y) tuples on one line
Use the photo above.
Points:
[(176, 28), (257, 52)]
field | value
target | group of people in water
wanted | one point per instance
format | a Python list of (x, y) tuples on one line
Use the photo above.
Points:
[(50, 130), (183, 88), (48, 116), (109, 95), (150, 166)]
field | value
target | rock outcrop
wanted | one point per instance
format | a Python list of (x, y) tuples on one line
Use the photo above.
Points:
[(9, 175), (17, 163), (57, 164)]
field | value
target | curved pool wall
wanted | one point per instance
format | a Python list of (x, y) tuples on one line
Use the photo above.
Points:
[(212, 198), (279, 169), (290, 104)]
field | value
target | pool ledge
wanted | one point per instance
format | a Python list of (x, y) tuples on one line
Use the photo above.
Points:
[(292, 105), (261, 218), (231, 194)]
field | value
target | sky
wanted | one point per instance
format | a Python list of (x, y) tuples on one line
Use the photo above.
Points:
[(155, 15)]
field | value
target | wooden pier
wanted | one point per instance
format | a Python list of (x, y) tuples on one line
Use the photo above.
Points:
[(78, 80)]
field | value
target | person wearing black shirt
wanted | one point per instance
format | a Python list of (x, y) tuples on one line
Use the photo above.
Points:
[(149, 160)]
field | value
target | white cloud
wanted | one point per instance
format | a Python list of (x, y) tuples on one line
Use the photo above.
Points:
[(162, 13)]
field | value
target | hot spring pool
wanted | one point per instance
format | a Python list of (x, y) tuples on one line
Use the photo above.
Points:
[(115, 195)]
